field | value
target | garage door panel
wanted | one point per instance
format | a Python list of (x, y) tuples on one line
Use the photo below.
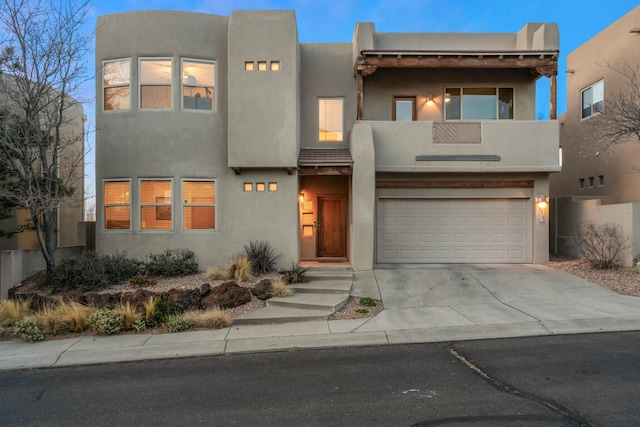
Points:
[(453, 230)]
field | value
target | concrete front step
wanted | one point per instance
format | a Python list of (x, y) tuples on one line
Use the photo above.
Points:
[(339, 286), (272, 314), (311, 301), (314, 274)]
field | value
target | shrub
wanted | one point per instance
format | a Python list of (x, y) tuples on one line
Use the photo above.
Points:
[(178, 324), (46, 318), (158, 309), (362, 311), (119, 268), (239, 269), (89, 271), (261, 255), (13, 310), (599, 243), (213, 317), (29, 330), (216, 273), (140, 324), (142, 280), (280, 289), (173, 262), (295, 273), (106, 321), (369, 302)]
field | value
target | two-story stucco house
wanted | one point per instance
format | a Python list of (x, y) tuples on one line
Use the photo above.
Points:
[(392, 148)]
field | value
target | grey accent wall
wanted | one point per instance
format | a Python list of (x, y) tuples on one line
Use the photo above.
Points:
[(326, 72), (263, 108)]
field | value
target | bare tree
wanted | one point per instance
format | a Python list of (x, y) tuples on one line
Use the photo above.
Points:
[(619, 120), (43, 52)]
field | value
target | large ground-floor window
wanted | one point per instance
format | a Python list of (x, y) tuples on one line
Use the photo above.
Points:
[(156, 209), (117, 204), (198, 204)]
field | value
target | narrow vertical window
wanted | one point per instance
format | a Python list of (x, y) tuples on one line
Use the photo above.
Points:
[(116, 82), (117, 205), (155, 84), (593, 99), (199, 205), (156, 206), (330, 119), (198, 85), (404, 109), (452, 104)]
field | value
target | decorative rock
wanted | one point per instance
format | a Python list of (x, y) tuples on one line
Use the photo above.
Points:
[(136, 298), (205, 290), (263, 290), (227, 295), (186, 298)]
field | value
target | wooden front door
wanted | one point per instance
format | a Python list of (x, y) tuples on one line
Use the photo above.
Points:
[(332, 226)]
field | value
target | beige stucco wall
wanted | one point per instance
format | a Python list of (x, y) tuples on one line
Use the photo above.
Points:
[(175, 144), (584, 157)]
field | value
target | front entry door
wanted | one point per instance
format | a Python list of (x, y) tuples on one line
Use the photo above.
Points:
[(332, 226)]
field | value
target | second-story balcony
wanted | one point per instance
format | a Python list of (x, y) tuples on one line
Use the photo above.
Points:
[(484, 146)]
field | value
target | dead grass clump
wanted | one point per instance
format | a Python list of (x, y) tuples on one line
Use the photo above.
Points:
[(239, 269), (280, 289), (13, 310), (129, 315), (213, 318), (217, 273), (63, 317)]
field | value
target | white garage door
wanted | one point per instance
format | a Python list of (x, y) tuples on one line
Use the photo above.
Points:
[(453, 231)]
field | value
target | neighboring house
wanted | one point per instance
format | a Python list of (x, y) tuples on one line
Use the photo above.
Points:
[(598, 184), (71, 212), (393, 148)]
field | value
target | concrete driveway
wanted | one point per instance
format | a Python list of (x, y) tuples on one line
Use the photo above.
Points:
[(501, 297)]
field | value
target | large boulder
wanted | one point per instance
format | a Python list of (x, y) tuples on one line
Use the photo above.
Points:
[(263, 290), (186, 298), (227, 295)]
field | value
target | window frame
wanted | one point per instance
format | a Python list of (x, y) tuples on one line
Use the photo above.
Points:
[(214, 101), (141, 205), (593, 110), (141, 83), (213, 205), (105, 205), (342, 124), (128, 84), (497, 95), (414, 110)]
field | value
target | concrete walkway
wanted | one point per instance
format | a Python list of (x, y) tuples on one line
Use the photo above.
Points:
[(422, 304)]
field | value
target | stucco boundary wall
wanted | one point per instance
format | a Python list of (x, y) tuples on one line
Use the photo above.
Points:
[(17, 265), (566, 214)]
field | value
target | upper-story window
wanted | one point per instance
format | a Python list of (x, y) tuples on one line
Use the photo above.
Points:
[(155, 83), (593, 99), (198, 85), (478, 103), (330, 119), (116, 82), (404, 108)]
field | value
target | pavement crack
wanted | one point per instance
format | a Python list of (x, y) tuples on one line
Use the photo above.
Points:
[(550, 404)]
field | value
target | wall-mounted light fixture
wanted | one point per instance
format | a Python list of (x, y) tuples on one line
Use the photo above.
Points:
[(571, 70), (635, 30), (430, 100), (542, 202), (301, 197)]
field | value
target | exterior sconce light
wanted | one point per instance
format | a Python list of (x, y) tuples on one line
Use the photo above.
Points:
[(430, 100), (542, 202), (301, 197)]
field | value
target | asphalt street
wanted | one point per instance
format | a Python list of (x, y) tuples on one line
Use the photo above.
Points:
[(590, 380)]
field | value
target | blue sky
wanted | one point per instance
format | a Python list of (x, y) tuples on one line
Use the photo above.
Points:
[(334, 21)]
